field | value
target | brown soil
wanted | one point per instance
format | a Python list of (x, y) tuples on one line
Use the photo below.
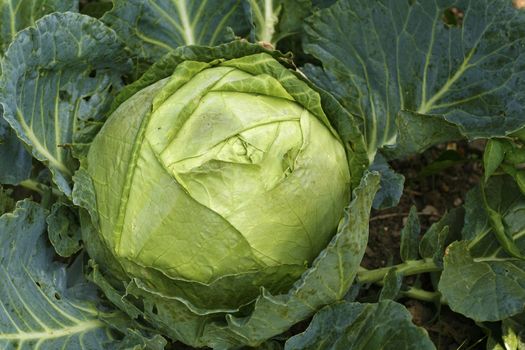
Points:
[(433, 195)]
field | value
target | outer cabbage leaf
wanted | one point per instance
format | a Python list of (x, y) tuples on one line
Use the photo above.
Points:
[(64, 230), (6, 202), (275, 20), (391, 184), (13, 153), (56, 77), (385, 325), (39, 306), (153, 28), (383, 57), (17, 15)]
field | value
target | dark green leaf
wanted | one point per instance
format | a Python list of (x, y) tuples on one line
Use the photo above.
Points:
[(64, 229), (515, 155), (391, 184), (482, 288), (283, 18), (520, 180), (520, 134), (385, 325), (6, 202), (447, 159), (153, 28), (505, 239), (481, 279), (39, 306), (135, 340), (417, 132), (410, 236), (382, 57), (391, 285), (12, 153), (15, 16), (493, 157), (96, 8), (441, 234), (56, 76), (19, 14)]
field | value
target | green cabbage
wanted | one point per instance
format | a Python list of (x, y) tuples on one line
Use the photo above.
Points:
[(217, 171), (217, 182)]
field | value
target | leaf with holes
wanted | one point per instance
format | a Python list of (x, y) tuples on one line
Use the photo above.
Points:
[(39, 309), (391, 184), (14, 16), (57, 76), (459, 61)]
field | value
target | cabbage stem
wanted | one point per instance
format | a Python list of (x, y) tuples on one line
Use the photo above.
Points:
[(411, 267), (38, 187), (423, 295)]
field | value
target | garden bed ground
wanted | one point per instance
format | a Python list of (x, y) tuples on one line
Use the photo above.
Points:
[(433, 195)]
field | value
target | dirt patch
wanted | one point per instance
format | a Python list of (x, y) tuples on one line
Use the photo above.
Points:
[(435, 182)]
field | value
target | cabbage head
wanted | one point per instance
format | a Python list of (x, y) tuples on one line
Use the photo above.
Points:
[(218, 179)]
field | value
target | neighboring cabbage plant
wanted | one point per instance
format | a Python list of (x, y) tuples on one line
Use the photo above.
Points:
[(216, 182)]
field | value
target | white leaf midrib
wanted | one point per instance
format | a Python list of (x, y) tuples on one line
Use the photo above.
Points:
[(188, 34), (78, 328)]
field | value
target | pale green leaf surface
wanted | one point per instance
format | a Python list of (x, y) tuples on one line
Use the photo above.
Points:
[(345, 125), (182, 308), (386, 325), (153, 28), (381, 57), (37, 309), (513, 332), (46, 99), (326, 281)]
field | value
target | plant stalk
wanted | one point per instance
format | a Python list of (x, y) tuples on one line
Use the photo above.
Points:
[(38, 187), (423, 295), (411, 267)]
